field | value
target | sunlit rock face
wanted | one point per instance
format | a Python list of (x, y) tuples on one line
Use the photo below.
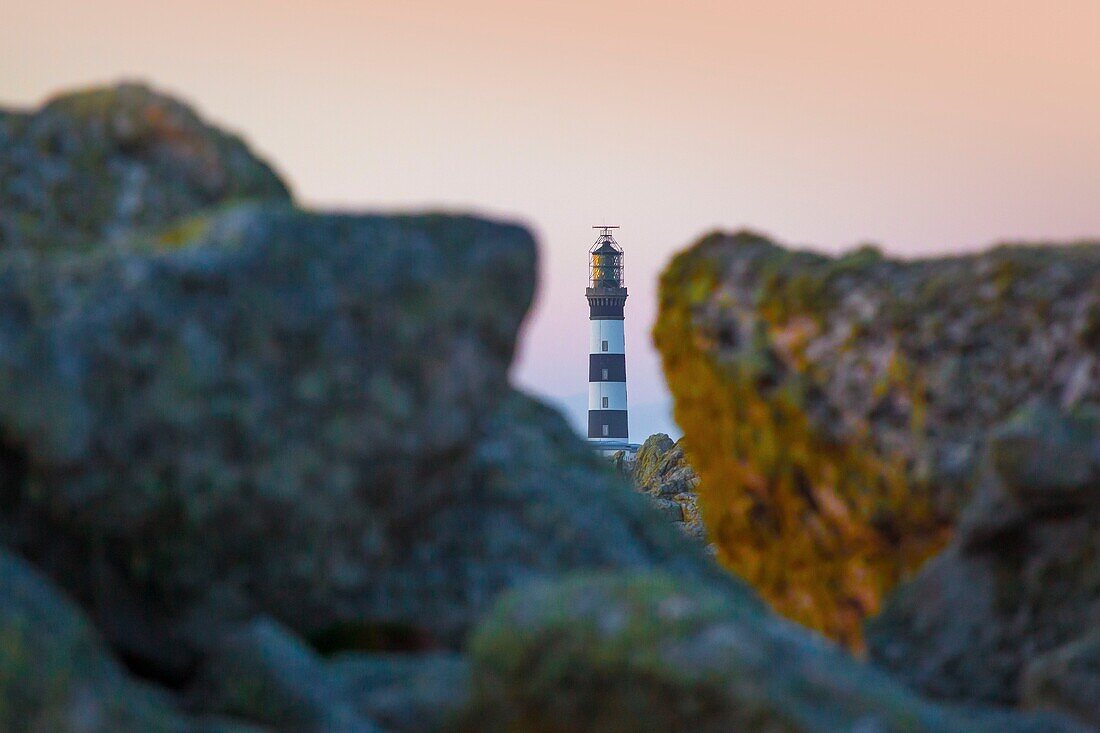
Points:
[(834, 408), (660, 470), (88, 168)]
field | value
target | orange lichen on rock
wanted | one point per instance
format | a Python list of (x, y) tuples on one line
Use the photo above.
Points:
[(809, 513)]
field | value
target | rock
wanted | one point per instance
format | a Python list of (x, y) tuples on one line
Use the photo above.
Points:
[(88, 168), (230, 423), (649, 454), (56, 674), (835, 407), (660, 470), (626, 653), (1067, 679), (261, 672), (1048, 461), (1020, 579), (300, 416), (538, 502), (405, 693), (273, 466)]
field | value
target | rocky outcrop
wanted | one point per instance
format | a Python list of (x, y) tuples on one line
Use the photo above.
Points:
[(646, 652), (262, 470), (834, 408), (1005, 613), (89, 168), (660, 470), (260, 413), (234, 429), (196, 400)]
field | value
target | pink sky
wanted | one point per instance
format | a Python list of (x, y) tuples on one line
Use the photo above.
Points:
[(926, 127)]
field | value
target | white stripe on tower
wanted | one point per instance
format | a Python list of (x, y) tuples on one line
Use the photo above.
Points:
[(607, 395), (609, 331)]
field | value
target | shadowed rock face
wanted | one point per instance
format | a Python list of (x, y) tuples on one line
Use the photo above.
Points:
[(88, 168), (837, 405), (1067, 678), (1005, 613), (236, 426), (56, 674)]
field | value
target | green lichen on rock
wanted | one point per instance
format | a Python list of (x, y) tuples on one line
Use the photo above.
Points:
[(833, 407), (89, 167), (634, 652)]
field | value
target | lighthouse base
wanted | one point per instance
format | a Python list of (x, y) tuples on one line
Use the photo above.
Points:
[(607, 446)]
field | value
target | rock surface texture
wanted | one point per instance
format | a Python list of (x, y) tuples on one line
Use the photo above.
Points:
[(1009, 612), (839, 405), (646, 652), (262, 470), (89, 168), (660, 470)]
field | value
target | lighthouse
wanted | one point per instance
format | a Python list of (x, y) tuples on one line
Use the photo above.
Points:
[(606, 295)]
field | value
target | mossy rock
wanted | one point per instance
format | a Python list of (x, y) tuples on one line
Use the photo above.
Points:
[(644, 652), (89, 168), (833, 407)]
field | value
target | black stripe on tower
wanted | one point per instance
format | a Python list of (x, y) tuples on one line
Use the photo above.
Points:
[(607, 367), (615, 420)]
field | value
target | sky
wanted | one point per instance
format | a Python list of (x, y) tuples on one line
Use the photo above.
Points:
[(930, 127)]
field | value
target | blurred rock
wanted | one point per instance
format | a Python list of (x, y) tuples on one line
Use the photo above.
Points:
[(1020, 579), (88, 168), (639, 652), (1048, 461), (272, 463), (235, 427), (261, 672), (405, 693), (56, 674), (298, 416), (1066, 679), (835, 407)]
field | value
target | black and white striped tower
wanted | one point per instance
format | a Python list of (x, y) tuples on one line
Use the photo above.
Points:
[(606, 295)]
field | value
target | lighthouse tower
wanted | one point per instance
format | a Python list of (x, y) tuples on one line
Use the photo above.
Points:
[(606, 295)]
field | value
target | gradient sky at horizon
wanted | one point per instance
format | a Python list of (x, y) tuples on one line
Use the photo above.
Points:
[(925, 127)]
